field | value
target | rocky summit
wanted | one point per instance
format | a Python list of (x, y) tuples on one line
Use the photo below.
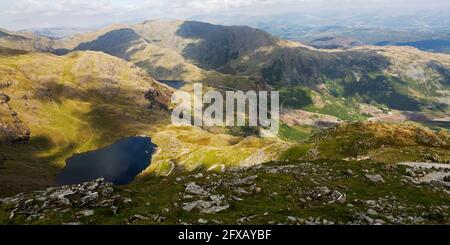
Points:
[(318, 192)]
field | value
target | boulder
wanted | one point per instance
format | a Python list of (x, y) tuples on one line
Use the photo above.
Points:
[(195, 189), (375, 178), (338, 197)]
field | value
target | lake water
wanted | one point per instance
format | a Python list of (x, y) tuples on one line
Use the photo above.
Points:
[(118, 163), (437, 124), (177, 84)]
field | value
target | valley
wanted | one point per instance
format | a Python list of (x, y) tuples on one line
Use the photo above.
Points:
[(348, 119)]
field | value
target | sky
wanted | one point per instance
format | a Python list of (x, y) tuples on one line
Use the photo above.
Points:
[(26, 14)]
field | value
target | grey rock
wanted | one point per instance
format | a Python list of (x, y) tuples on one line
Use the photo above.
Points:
[(379, 222), (236, 198), (135, 218), (323, 190), (160, 219), (242, 181), (410, 172), (375, 178), (62, 192), (198, 176), (215, 209), (199, 204), (206, 206), (202, 221), (338, 197), (366, 218), (86, 212), (195, 189), (64, 201), (372, 212), (72, 223), (292, 218), (138, 216), (91, 185), (217, 198), (88, 198), (107, 191), (241, 191)]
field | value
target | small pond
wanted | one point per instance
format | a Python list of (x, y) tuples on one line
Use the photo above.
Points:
[(177, 84)]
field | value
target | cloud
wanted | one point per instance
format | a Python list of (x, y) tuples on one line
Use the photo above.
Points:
[(20, 14)]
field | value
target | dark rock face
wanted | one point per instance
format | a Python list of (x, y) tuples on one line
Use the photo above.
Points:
[(6, 84), (157, 99), (15, 133), (4, 98)]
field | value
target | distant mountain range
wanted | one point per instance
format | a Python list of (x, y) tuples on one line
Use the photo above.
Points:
[(58, 32), (427, 29)]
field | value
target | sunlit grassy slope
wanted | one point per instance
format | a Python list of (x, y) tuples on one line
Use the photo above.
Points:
[(85, 100), (382, 142)]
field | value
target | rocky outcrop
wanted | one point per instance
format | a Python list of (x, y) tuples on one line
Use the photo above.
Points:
[(158, 99), (375, 178), (6, 84), (81, 199), (15, 132), (12, 129), (207, 203), (4, 98)]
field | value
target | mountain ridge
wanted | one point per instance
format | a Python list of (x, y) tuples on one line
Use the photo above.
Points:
[(333, 82)]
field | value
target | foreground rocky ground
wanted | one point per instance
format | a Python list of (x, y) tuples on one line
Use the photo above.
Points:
[(289, 192)]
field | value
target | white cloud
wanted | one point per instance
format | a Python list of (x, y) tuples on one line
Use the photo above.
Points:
[(19, 14)]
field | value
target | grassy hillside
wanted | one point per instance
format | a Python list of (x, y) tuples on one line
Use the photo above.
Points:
[(367, 139), (55, 106)]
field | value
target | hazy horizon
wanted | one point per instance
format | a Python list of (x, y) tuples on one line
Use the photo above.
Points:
[(29, 14)]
